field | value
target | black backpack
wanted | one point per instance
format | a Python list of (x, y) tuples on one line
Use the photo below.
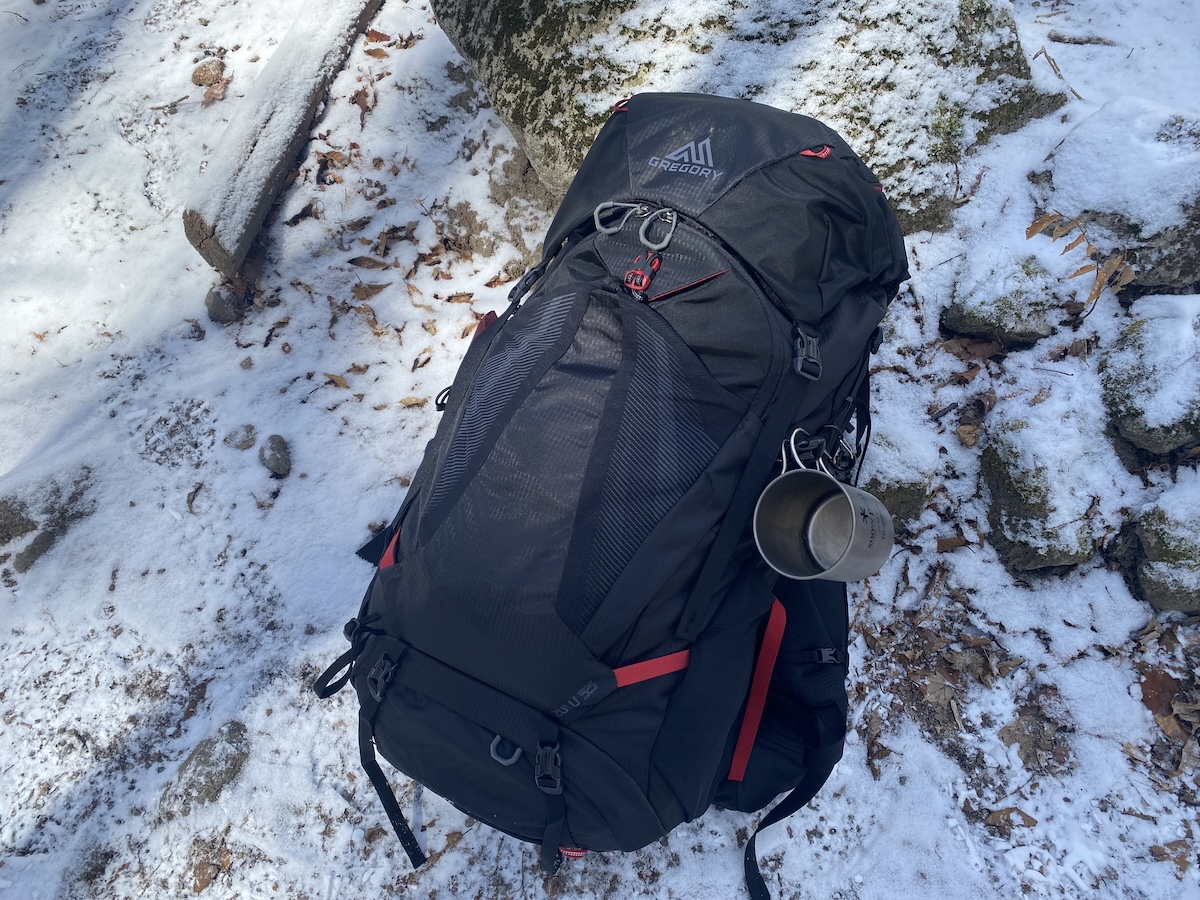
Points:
[(570, 635)]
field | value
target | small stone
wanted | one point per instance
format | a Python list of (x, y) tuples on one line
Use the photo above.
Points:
[(247, 363), (208, 72), (242, 438), (224, 305), (13, 520), (274, 454), (208, 770), (37, 548)]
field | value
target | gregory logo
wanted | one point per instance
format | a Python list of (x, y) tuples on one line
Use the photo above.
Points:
[(690, 159)]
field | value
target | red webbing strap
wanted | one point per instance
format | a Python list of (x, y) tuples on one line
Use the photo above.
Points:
[(652, 668), (767, 653), (389, 555)]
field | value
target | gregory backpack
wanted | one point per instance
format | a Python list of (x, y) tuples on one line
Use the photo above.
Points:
[(569, 635)]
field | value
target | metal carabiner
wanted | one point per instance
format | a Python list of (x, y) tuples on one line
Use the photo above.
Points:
[(606, 206), (667, 215)]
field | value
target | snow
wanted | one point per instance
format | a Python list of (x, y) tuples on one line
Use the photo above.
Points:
[(187, 588)]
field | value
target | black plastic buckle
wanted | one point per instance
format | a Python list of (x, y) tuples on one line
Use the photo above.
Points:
[(527, 281), (547, 769), (381, 677), (807, 356)]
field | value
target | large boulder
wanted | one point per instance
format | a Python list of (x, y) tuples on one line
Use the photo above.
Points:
[(1169, 532), (1130, 173), (1012, 301), (1151, 376), (911, 87)]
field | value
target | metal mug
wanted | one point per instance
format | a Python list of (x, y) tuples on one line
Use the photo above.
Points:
[(807, 525)]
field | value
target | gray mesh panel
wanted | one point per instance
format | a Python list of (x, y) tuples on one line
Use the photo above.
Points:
[(498, 380), (660, 450)]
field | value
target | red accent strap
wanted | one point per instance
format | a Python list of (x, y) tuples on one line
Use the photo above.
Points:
[(389, 555), (821, 152), (767, 654), (652, 668), (573, 852), (481, 326)]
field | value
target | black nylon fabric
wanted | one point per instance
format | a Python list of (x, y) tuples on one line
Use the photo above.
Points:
[(595, 440)]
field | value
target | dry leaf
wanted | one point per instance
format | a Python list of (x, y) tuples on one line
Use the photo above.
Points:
[(423, 359), (947, 544), (337, 380), (496, 280), (969, 435), (430, 325), (377, 52), (1083, 270), (376, 37), (359, 369), (363, 291), (1102, 276), (410, 402), (1075, 243), (358, 224), (368, 262), (1042, 223), (460, 297), (216, 92), (1002, 818), (1065, 227)]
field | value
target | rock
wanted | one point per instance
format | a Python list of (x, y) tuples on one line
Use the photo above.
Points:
[(901, 462), (1150, 211), (1168, 574), (14, 521), (243, 437), (1014, 303), (275, 455), (225, 305), (1151, 376), (208, 72), (912, 88), (1042, 510), (214, 763), (37, 548)]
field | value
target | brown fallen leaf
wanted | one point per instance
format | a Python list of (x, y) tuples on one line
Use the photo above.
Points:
[(1002, 818), (363, 291), (337, 380), (969, 435), (359, 368), (496, 280), (947, 544), (216, 92), (368, 262), (410, 402), (460, 297), (377, 52), (376, 37)]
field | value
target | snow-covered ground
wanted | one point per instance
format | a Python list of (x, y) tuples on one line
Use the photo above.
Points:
[(1008, 738)]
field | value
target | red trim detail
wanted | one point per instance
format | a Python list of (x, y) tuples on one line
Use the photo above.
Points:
[(821, 152), (673, 291), (767, 654), (621, 105), (389, 555), (652, 668), (481, 326), (573, 852)]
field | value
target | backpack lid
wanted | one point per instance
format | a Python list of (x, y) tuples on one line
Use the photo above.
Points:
[(782, 190)]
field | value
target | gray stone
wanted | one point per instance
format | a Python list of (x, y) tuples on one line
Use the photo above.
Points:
[(1030, 524), (211, 767), (225, 304), (912, 88), (37, 548), (14, 521), (242, 438), (1168, 572), (275, 455), (1151, 376), (1014, 303)]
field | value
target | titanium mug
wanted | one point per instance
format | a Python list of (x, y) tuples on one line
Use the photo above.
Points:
[(807, 525)]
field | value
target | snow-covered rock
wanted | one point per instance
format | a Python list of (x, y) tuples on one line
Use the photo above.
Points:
[(912, 87)]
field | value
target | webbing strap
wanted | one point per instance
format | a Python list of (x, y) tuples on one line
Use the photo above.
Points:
[(652, 668), (366, 755), (547, 775), (767, 654), (820, 762)]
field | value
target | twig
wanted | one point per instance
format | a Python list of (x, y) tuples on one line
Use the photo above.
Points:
[(1059, 38), (1055, 371), (172, 104), (24, 21)]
